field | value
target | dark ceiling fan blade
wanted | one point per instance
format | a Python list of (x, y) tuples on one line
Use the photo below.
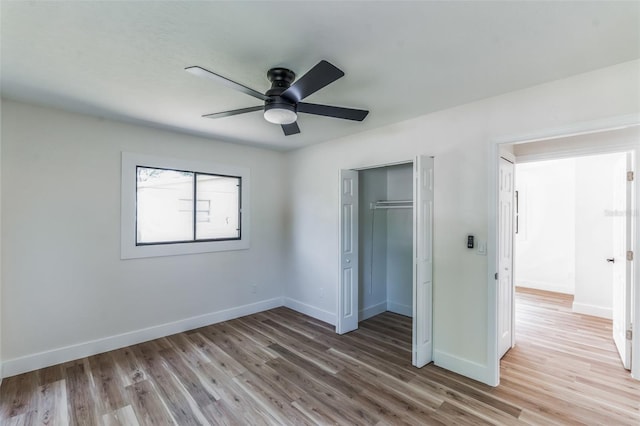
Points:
[(201, 72), (233, 112), (290, 129), (333, 111), (315, 79)]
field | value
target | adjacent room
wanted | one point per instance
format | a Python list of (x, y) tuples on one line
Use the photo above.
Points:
[(287, 212), (566, 215)]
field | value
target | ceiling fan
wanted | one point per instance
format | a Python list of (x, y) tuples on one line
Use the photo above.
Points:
[(282, 101)]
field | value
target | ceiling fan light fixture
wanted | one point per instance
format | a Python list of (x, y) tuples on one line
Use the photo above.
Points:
[(282, 101), (280, 113)]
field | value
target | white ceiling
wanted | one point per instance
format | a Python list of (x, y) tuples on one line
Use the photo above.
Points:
[(125, 60)]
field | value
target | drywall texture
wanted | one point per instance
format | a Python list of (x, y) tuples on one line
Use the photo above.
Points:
[(63, 280), (459, 139), (545, 244)]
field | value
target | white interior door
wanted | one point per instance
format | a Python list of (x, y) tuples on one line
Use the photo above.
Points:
[(423, 261), (622, 258), (348, 293), (505, 256)]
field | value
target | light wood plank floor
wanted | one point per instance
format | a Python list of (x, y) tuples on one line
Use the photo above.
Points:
[(281, 367)]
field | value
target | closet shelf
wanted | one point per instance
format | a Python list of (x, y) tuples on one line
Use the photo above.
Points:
[(392, 204)]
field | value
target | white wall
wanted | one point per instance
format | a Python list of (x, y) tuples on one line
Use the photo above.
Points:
[(459, 139), (400, 241), (594, 238), (545, 243), (66, 293), (372, 227)]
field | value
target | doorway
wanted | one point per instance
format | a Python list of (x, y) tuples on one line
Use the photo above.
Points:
[(577, 144), (573, 221), (386, 261)]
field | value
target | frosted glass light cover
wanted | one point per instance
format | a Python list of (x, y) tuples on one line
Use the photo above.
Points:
[(280, 116)]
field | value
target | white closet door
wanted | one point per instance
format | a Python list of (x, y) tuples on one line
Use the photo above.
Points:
[(423, 261), (348, 297), (505, 256)]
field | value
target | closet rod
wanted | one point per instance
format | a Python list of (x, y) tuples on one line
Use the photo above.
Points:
[(394, 201), (391, 207), (395, 204)]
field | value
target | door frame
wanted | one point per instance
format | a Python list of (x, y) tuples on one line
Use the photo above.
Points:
[(495, 147), (340, 292)]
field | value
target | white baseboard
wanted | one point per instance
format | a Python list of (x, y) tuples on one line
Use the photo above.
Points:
[(596, 311), (36, 361), (465, 367), (312, 311), (399, 308), (372, 311), (546, 286)]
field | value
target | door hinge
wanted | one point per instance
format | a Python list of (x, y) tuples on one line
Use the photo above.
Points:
[(629, 176), (629, 255), (629, 335), (496, 275)]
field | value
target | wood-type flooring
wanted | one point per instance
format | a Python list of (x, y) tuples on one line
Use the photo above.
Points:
[(282, 367)]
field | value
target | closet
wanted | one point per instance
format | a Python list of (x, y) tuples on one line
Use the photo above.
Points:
[(385, 225)]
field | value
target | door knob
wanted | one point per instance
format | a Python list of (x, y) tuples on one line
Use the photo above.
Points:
[(611, 260)]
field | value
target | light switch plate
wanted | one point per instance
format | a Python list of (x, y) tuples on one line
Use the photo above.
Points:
[(482, 248)]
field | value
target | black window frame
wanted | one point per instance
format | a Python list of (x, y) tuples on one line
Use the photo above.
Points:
[(195, 205)]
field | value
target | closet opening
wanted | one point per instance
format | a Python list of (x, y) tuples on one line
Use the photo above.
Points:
[(386, 255), (386, 241)]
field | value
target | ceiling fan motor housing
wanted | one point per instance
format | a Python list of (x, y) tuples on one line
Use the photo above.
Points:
[(281, 79)]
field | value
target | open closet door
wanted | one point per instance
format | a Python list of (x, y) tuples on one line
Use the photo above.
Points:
[(348, 298), (423, 261)]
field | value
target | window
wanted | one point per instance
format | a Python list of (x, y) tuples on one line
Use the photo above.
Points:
[(176, 206), (172, 206)]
